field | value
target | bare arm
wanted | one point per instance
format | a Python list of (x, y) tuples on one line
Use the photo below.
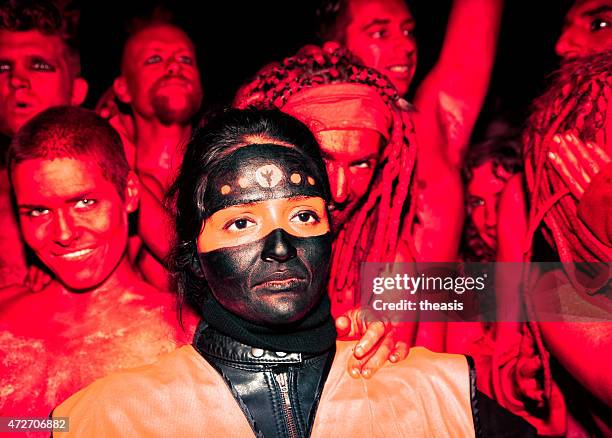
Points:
[(451, 96), (439, 211)]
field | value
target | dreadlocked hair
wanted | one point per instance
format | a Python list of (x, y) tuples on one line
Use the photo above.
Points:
[(576, 100), (372, 234)]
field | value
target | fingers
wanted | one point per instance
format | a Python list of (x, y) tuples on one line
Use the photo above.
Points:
[(576, 162), (559, 163), (373, 335), (571, 154), (589, 156), (343, 326), (600, 155), (372, 362), (566, 175), (400, 352), (351, 326)]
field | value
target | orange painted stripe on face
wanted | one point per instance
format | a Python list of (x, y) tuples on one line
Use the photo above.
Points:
[(301, 216)]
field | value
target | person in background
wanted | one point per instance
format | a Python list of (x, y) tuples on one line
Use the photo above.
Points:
[(39, 68), (74, 191)]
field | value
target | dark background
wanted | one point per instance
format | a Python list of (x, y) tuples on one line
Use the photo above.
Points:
[(234, 39)]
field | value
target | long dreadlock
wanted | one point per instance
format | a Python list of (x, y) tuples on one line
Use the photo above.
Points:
[(372, 234), (577, 100)]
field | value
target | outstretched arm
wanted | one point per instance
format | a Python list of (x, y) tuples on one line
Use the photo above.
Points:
[(451, 96)]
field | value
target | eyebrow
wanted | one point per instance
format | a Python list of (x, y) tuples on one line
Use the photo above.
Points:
[(73, 198), (375, 22), (372, 156), (29, 206), (382, 22), (597, 11)]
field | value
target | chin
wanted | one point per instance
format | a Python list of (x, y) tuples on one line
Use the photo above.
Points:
[(285, 316), (81, 283)]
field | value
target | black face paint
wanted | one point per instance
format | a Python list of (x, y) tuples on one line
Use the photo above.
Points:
[(275, 280), (261, 172), (270, 293)]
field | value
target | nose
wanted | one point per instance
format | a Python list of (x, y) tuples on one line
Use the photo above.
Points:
[(338, 182), (19, 78), (491, 215), (63, 228), (405, 43), (566, 44), (278, 247), (173, 66)]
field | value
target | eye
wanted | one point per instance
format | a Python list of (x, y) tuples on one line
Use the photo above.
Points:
[(85, 202), (379, 34), (408, 33), (599, 24), (154, 59), (5, 66), (184, 59), (474, 202), (37, 212), (306, 217), (239, 224), (42, 65), (366, 164)]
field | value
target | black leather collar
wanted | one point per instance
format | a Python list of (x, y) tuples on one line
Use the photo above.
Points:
[(210, 342)]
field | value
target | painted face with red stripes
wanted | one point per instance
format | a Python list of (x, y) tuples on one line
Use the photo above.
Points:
[(265, 246)]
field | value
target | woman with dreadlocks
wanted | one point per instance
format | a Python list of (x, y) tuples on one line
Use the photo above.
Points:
[(367, 139), (568, 143)]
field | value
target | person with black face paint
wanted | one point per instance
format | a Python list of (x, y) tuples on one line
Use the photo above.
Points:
[(253, 255)]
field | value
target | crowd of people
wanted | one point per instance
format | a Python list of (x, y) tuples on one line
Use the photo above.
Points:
[(222, 254)]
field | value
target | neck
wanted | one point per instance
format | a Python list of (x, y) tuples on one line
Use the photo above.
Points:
[(314, 334), (151, 132), (160, 147)]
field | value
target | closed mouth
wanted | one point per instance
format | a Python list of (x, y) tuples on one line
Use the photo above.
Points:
[(279, 282)]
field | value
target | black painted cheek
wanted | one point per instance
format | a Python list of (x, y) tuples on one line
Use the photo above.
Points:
[(231, 273)]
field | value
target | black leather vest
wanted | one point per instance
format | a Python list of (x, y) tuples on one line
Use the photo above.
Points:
[(277, 391)]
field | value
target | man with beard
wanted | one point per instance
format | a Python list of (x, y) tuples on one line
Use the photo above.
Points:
[(74, 191), (569, 177), (39, 68), (252, 255), (160, 81)]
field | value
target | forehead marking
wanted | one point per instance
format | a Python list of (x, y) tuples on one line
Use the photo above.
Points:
[(295, 178), (243, 182), (268, 175)]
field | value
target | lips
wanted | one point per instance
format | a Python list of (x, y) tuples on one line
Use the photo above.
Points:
[(173, 82), (280, 281), (400, 70)]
